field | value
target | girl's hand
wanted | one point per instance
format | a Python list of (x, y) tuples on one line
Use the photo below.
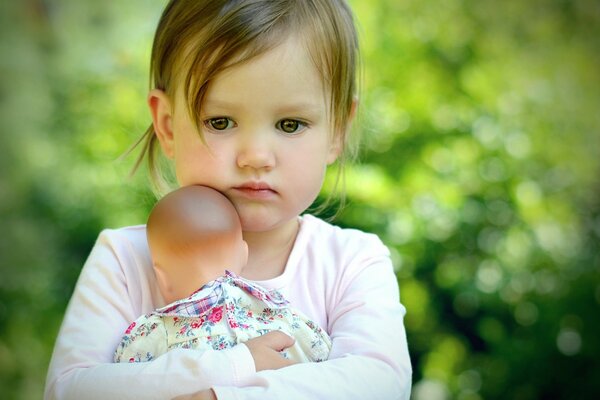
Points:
[(203, 395), (265, 350)]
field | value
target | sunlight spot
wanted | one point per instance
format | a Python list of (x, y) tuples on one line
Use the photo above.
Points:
[(441, 227), (493, 170), (470, 380), (401, 229), (517, 145), (522, 282), (489, 276), (488, 239), (442, 160), (568, 341), (526, 313), (528, 193), (425, 206), (546, 282), (429, 389), (487, 132)]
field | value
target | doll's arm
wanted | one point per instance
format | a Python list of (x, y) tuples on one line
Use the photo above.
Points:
[(369, 357), (106, 298), (144, 340)]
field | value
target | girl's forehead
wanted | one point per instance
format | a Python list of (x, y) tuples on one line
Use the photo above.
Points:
[(287, 67)]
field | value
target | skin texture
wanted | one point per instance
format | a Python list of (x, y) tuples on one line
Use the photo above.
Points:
[(270, 175), (194, 234)]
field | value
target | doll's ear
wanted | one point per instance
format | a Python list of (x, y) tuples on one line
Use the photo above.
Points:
[(162, 118)]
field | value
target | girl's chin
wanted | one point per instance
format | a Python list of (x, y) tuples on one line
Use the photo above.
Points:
[(256, 225), (263, 223)]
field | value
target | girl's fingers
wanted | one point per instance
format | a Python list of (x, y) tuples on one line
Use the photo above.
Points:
[(275, 340)]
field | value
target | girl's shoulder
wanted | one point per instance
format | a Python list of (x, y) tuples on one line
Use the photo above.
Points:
[(338, 241), (129, 237), (127, 245)]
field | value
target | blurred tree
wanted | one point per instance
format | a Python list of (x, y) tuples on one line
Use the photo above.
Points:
[(479, 170)]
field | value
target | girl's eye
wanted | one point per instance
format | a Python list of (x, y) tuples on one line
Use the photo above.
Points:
[(219, 124), (290, 126)]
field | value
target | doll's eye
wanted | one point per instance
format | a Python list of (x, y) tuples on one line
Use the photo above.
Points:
[(290, 126), (219, 123)]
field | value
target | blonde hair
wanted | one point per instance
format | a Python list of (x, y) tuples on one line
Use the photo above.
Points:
[(197, 39)]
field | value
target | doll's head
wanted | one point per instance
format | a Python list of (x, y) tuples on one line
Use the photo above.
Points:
[(196, 40), (194, 235)]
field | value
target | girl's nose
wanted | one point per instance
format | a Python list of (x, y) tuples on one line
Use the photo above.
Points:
[(257, 153)]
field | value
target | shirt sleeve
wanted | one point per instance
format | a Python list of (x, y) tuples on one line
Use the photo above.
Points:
[(99, 311), (369, 357)]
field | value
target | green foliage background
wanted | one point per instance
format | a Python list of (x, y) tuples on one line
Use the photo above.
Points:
[(480, 171)]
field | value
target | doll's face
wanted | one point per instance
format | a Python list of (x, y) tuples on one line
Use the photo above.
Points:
[(194, 235)]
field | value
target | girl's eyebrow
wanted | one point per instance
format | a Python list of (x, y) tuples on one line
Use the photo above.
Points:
[(292, 108), (286, 108)]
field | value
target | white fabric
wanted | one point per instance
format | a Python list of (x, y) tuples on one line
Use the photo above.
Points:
[(341, 278)]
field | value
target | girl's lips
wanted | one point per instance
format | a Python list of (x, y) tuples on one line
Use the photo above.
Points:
[(256, 190)]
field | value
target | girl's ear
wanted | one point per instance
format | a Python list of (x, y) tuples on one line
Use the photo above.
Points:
[(162, 119), (337, 142), (335, 148)]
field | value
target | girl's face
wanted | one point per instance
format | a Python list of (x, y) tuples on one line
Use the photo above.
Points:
[(268, 136)]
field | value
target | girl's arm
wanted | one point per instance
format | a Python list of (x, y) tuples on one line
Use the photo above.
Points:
[(369, 358), (112, 291)]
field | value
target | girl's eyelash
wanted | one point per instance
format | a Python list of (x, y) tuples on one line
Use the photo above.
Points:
[(219, 123), (291, 126), (288, 126)]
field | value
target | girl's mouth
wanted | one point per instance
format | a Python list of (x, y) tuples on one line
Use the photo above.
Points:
[(256, 190)]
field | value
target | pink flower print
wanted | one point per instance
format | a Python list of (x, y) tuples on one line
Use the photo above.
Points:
[(233, 324), (197, 324), (249, 314), (216, 315), (128, 331), (132, 360)]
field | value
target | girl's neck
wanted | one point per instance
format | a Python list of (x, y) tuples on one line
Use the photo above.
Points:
[(269, 251)]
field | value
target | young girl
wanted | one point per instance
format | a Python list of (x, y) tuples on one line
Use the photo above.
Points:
[(253, 98)]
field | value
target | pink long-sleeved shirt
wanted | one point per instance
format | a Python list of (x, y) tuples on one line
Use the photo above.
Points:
[(341, 278)]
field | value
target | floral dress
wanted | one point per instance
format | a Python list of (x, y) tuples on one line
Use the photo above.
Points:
[(221, 314)]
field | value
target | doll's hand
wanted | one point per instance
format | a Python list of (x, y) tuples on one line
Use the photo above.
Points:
[(203, 395), (265, 350)]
